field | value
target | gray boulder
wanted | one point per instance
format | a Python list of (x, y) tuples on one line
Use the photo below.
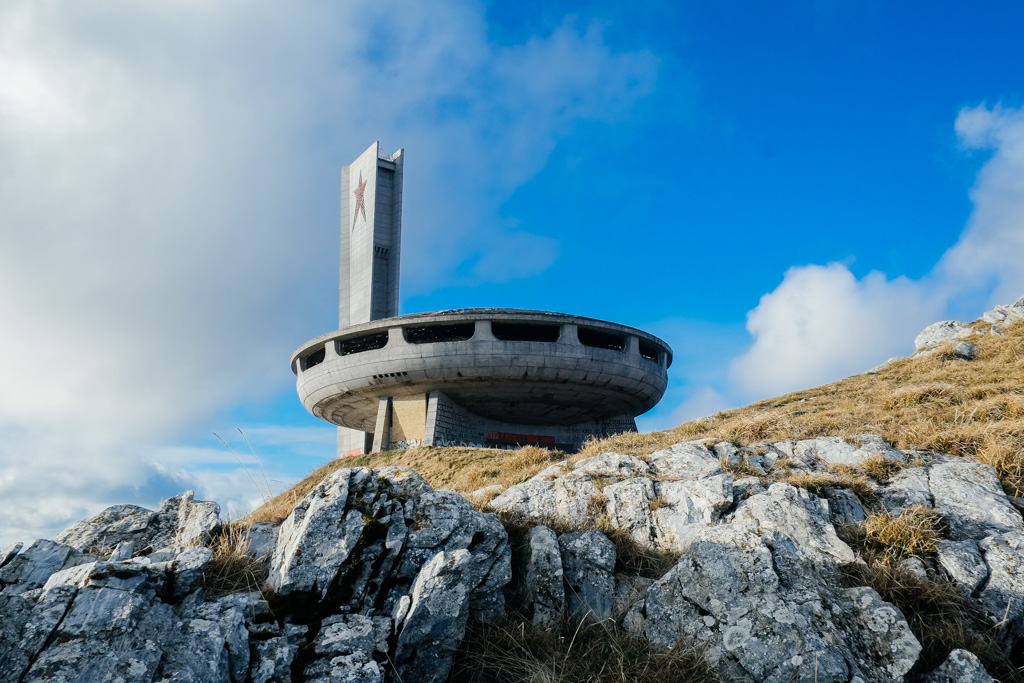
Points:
[(544, 580), (436, 619), (348, 648), (180, 521), (660, 500), (1003, 596), (972, 501), (726, 596), (588, 565), (944, 331), (960, 667), (965, 351), (963, 563)]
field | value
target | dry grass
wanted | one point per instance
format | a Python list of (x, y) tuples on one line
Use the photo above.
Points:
[(459, 469), (821, 483), (513, 651), (913, 533), (232, 569), (973, 409)]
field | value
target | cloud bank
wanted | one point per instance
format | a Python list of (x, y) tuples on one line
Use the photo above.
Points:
[(168, 181)]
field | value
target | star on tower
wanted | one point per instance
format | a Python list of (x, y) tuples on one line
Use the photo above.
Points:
[(360, 200)]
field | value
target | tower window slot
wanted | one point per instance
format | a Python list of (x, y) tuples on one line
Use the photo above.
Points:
[(648, 350), (600, 339), (368, 342), (427, 334), (525, 332), (315, 358)]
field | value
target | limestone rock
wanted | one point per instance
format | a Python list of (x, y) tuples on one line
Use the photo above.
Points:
[(796, 518), (180, 521), (8, 553), (660, 500), (614, 465), (588, 565), (725, 595), (960, 667), (835, 451), (964, 564), (686, 507), (972, 501), (34, 565), (937, 333), (554, 495), (1003, 596), (544, 580), (348, 647), (689, 460), (845, 508), (272, 658), (436, 620), (965, 351), (906, 489)]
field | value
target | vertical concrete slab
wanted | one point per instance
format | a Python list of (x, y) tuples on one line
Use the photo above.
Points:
[(352, 442), (408, 421), (382, 432)]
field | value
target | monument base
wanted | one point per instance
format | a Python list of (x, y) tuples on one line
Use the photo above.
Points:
[(436, 420)]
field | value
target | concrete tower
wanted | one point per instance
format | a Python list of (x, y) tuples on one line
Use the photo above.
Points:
[(479, 377), (371, 241)]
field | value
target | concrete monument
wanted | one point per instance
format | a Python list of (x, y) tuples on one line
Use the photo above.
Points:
[(471, 377)]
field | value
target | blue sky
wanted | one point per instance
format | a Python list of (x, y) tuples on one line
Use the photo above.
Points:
[(785, 192)]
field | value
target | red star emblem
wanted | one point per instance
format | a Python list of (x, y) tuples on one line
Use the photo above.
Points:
[(360, 200)]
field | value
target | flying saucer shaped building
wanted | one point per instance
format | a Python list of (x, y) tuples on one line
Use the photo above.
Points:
[(474, 377)]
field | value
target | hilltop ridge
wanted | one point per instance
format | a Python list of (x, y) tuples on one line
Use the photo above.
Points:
[(870, 529)]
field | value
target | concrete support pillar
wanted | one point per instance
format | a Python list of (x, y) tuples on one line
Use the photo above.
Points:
[(396, 337), (570, 335), (632, 345), (430, 429), (382, 428), (483, 332)]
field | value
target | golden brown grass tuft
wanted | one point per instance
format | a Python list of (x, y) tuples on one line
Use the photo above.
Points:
[(912, 533), (513, 651), (820, 483), (232, 568)]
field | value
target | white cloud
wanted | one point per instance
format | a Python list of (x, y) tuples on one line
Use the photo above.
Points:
[(990, 252), (168, 179), (822, 323)]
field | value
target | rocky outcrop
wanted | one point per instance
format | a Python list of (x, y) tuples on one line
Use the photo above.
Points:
[(373, 577), (761, 583), (940, 332), (954, 330)]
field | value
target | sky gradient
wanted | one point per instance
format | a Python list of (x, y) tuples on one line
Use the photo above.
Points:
[(784, 192)]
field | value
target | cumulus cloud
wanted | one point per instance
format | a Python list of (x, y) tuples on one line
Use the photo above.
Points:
[(822, 323), (168, 180)]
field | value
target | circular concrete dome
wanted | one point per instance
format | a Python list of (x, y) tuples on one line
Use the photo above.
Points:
[(523, 367)]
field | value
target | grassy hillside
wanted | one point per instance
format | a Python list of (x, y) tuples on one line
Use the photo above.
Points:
[(933, 401)]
